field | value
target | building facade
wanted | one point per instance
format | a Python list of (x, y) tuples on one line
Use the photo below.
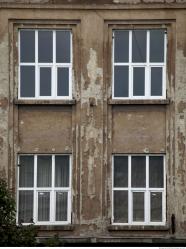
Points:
[(93, 117)]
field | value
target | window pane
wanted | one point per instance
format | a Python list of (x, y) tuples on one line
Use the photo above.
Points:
[(157, 45), (139, 45), (61, 206), (25, 206), (138, 81), (138, 169), (156, 81), (27, 77), (121, 81), (138, 206), (63, 81), (63, 46), (121, 48), (27, 46), (45, 46), (121, 206), (120, 171), (43, 206), (45, 81), (44, 171), (62, 171), (156, 206), (156, 173), (26, 171)]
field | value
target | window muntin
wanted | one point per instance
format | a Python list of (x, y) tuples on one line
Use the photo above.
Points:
[(139, 64), (138, 190), (45, 64), (44, 189)]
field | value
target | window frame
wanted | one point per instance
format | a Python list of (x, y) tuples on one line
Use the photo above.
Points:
[(53, 65), (147, 66), (147, 191), (52, 190)]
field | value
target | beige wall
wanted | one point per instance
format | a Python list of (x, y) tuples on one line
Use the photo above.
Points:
[(92, 132)]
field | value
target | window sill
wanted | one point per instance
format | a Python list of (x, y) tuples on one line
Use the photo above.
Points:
[(138, 228), (138, 101), (44, 102), (55, 227)]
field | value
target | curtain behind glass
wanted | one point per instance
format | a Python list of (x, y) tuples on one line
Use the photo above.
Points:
[(43, 206), (26, 171), (61, 206), (25, 214), (62, 171), (44, 171)]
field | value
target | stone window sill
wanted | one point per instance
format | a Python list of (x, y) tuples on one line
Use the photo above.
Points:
[(138, 101), (55, 227), (137, 228), (44, 102)]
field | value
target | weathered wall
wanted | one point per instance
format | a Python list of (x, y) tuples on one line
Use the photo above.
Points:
[(90, 128)]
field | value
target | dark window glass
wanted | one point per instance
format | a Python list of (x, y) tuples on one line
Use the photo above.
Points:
[(156, 172), (157, 45), (156, 81), (27, 46), (25, 206), (61, 206), (156, 207), (138, 81), (45, 81), (121, 48), (121, 171), (26, 171), (63, 81), (43, 206), (138, 169), (120, 206), (63, 46), (62, 171), (139, 38), (121, 81), (138, 206), (27, 77), (44, 171), (45, 46)]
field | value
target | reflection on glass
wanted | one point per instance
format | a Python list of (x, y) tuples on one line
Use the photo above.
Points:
[(138, 171), (121, 48), (120, 171), (61, 206), (63, 46), (157, 45), (138, 206), (120, 206), (139, 38), (25, 214), (27, 77), (44, 171), (156, 81), (26, 171), (45, 81), (27, 46), (121, 81), (156, 207), (43, 206), (138, 81), (45, 46)]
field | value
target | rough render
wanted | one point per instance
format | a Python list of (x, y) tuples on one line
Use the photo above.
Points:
[(90, 131)]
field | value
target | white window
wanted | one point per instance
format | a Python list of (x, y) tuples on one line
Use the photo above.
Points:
[(45, 64), (44, 189), (139, 64), (138, 191)]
